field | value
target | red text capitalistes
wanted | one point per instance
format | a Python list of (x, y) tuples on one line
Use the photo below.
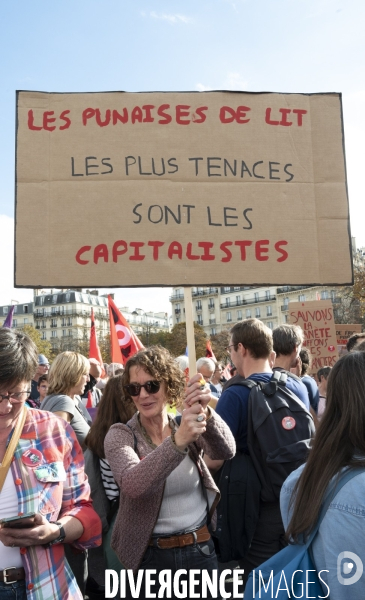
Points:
[(260, 250)]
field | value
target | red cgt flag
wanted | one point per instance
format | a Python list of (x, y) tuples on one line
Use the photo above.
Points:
[(209, 352), (94, 351), (124, 342)]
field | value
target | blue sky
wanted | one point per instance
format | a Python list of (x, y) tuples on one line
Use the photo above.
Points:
[(102, 45)]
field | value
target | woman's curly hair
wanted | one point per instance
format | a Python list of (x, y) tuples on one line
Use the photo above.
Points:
[(159, 363)]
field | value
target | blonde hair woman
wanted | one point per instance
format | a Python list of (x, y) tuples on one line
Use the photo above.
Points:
[(67, 378)]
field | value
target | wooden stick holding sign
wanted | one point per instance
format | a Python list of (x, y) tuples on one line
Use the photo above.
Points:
[(189, 321), (191, 338)]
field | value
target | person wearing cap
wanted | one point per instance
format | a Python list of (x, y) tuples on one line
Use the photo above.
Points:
[(42, 369)]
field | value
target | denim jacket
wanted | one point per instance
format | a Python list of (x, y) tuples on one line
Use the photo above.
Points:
[(339, 546)]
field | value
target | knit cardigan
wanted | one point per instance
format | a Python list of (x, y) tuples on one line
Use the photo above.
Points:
[(141, 479)]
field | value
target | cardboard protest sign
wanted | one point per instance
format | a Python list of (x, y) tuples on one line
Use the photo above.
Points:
[(317, 321), (343, 332), (143, 189)]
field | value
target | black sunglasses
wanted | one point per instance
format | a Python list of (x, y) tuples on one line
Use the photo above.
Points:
[(134, 389)]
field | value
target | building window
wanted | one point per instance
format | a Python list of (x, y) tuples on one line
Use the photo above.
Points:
[(325, 295), (270, 324), (25, 321), (211, 305), (53, 322), (239, 315), (54, 334), (248, 313), (269, 311), (70, 332), (228, 301), (69, 321), (44, 324), (286, 318), (301, 298), (200, 320), (236, 289), (15, 322), (43, 335), (257, 312), (227, 289), (286, 301), (177, 319), (268, 295), (5, 310), (213, 331), (25, 308), (64, 333), (15, 309), (199, 305), (229, 317), (238, 300), (256, 296)]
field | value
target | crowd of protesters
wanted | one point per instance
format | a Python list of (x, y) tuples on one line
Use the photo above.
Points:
[(160, 512)]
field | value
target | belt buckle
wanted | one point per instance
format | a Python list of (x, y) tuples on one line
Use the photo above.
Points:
[(5, 575)]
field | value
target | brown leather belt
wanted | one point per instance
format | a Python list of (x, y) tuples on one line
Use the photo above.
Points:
[(179, 541), (12, 574)]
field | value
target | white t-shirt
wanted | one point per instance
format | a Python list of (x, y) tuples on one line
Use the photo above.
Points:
[(9, 557)]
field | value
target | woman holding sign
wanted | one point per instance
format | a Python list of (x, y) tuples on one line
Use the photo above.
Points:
[(167, 495)]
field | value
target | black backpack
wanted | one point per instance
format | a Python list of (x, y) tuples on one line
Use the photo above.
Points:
[(279, 432), (238, 510)]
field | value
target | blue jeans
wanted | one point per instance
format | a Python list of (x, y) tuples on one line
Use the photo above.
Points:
[(197, 556), (13, 591)]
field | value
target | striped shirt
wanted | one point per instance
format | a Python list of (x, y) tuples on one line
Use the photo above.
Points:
[(110, 487)]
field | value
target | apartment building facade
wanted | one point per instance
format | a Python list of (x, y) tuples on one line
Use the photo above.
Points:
[(217, 309), (63, 317)]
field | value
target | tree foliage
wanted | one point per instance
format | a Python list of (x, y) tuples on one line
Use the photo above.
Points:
[(176, 340), (154, 338), (105, 348), (352, 306), (43, 346), (219, 343)]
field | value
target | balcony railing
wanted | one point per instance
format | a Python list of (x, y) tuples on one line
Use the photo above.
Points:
[(176, 297), (292, 288), (206, 292)]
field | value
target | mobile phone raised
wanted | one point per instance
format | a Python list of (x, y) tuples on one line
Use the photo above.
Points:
[(19, 522)]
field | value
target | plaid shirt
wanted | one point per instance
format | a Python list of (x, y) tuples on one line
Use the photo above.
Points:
[(57, 488)]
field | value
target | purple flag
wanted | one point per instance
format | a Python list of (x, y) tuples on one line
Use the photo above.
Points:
[(9, 319)]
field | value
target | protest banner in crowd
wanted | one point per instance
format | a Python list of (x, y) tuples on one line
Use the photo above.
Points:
[(343, 332), (152, 189), (318, 324)]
